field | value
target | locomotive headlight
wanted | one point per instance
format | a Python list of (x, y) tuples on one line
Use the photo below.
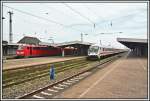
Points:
[(21, 52)]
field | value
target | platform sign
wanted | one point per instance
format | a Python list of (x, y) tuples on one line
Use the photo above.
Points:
[(52, 72)]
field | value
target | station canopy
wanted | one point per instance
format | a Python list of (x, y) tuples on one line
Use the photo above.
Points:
[(132, 42), (81, 48), (73, 43), (66, 44)]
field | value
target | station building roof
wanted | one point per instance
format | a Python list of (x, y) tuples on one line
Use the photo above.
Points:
[(65, 44), (5, 43), (29, 40), (133, 42)]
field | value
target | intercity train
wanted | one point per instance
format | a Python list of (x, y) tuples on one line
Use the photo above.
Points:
[(96, 52)]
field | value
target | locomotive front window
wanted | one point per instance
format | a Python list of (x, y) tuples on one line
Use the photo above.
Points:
[(94, 49), (20, 47)]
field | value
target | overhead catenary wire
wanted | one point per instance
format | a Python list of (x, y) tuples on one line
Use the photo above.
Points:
[(42, 18), (54, 9), (26, 21), (67, 15), (94, 13), (33, 15), (78, 13), (118, 18)]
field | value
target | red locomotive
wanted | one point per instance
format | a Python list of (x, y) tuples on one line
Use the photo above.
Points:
[(39, 50)]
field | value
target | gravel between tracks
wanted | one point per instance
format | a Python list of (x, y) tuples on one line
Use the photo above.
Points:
[(20, 89)]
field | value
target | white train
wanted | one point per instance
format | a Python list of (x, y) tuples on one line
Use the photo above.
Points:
[(96, 52)]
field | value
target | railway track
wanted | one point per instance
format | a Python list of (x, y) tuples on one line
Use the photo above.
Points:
[(24, 75), (52, 90)]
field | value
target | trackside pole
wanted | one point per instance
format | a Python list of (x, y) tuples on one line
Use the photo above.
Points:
[(99, 58), (52, 73), (63, 52)]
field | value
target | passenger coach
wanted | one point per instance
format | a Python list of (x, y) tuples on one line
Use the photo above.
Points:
[(96, 52)]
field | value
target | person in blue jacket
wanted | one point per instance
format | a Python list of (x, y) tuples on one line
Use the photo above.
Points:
[(52, 72)]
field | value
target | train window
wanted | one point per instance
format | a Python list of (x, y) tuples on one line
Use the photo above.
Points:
[(20, 47), (93, 49), (27, 47), (34, 48)]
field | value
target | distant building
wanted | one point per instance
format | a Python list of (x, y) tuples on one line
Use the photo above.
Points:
[(80, 48), (139, 47), (4, 48), (4, 42), (29, 40), (9, 49)]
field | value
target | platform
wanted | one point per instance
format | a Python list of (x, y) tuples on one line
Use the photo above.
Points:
[(124, 78), (18, 63)]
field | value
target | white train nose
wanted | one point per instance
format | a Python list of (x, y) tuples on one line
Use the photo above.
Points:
[(92, 54)]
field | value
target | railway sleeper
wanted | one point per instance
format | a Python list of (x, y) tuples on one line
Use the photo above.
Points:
[(24, 80), (36, 73)]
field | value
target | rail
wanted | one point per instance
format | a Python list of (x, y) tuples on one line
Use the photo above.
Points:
[(41, 90)]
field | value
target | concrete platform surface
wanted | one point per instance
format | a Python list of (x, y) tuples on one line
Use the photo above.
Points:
[(124, 78), (18, 63)]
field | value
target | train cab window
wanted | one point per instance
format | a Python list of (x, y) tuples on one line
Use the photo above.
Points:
[(94, 49), (20, 47)]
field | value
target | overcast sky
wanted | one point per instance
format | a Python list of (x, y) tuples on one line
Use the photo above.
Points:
[(66, 21)]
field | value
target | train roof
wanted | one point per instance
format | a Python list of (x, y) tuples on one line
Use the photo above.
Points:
[(103, 46)]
